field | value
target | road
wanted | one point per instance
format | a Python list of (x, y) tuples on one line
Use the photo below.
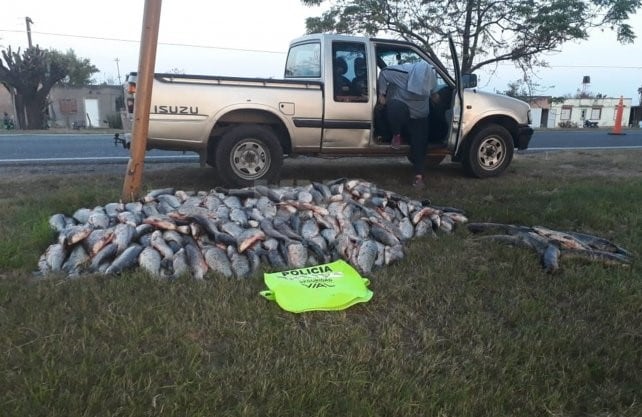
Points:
[(82, 148), (74, 148)]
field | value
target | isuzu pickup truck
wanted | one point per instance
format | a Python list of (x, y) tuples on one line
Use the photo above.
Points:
[(325, 106)]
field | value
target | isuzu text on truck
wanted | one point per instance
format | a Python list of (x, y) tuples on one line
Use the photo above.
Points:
[(245, 126)]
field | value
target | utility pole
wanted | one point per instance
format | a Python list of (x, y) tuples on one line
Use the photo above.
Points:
[(143, 102), (118, 69), (29, 22)]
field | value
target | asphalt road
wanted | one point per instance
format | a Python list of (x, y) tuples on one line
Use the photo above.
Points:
[(85, 148)]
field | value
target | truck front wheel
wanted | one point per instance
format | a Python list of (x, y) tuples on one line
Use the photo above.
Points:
[(246, 154), (489, 152)]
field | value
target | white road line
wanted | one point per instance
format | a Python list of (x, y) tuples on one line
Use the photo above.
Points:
[(580, 148), (97, 158)]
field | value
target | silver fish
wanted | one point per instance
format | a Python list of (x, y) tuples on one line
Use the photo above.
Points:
[(98, 219), (125, 260), (134, 207), (232, 202), (309, 229), (550, 258), (129, 218), (158, 243), (218, 261), (97, 240), (112, 209), (104, 256), (240, 263), (123, 235), (211, 202), (55, 256), (153, 194), (195, 260), (150, 209), (238, 216), (169, 199), (74, 234), (249, 237), (423, 228), (76, 262), (297, 254), (366, 256), (150, 260), (383, 235), (58, 222), (179, 264), (406, 228), (82, 215)]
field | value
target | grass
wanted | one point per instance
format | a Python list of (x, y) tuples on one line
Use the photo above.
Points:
[(455, 329)]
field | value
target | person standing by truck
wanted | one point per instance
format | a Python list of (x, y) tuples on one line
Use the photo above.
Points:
[(405, 92)]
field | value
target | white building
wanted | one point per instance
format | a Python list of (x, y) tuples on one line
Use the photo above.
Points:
[(574, 111)]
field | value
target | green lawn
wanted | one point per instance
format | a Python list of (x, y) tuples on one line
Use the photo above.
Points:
[(458, 328)]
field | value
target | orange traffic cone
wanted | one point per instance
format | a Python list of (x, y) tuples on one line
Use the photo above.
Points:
[(617, 128)]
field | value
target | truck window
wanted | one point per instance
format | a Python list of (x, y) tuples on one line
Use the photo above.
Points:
[(350, 72), (304, 61)]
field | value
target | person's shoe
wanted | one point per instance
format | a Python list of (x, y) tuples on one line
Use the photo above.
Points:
[(418, 182), (396, 142)]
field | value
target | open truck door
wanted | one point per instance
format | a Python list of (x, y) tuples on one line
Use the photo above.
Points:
[(457, 107)]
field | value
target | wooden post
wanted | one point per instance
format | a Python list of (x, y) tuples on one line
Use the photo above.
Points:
[(146, 62)]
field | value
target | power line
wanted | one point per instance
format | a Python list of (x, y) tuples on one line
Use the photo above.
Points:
[(275, 52), (137, 41)]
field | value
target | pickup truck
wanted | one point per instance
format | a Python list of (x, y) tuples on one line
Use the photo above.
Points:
[(325, 106)]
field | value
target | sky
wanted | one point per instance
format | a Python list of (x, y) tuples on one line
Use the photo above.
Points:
[(251, 37)]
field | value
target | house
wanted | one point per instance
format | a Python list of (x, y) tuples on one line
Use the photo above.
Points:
[(574, 111), (90, 106), (540, 110)]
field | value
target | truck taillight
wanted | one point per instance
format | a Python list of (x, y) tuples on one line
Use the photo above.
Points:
[(131, 88)]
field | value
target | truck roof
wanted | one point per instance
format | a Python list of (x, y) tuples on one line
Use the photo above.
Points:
[(332, 36)]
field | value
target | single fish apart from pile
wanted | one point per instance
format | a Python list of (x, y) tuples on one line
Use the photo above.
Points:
[(553, 245), (169, 233)]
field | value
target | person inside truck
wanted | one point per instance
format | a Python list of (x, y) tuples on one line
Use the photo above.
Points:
[(342, 85), (405, 90)]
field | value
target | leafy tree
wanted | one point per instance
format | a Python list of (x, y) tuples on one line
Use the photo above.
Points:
[(485, 31), (32, 74), (80, 70)]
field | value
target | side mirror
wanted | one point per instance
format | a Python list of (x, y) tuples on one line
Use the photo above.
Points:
[(469, 80)]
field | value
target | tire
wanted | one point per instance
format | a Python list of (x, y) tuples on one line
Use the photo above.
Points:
[(489, 152), (247, 154)]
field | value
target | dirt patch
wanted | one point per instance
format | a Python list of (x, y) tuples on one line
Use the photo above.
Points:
[(569, 164)]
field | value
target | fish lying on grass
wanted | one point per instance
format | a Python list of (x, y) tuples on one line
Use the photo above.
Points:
[(554, 245), (168, 232)]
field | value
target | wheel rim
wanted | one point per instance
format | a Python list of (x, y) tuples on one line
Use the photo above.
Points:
[(492, 153), (250, 159)]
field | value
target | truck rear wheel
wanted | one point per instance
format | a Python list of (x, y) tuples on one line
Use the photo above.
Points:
[(489, 152), (246, 154)]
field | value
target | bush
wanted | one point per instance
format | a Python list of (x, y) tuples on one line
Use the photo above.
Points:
[(567, 124), (113, 121)]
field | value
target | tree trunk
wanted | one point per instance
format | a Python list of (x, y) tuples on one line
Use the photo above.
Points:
[(20, 111), (35, 114)]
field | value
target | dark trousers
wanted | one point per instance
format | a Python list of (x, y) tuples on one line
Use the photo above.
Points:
[(415, 130)]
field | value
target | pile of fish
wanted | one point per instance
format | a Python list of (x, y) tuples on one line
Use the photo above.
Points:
[(553, 245), (169, 233)]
